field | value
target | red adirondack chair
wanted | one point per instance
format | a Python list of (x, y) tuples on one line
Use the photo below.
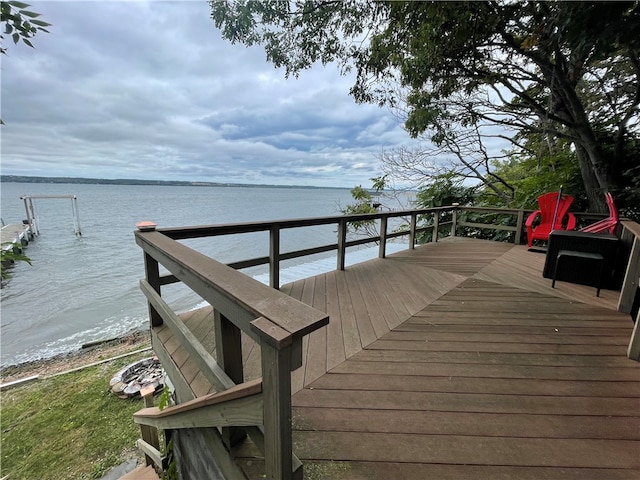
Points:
[(606, 224), (552, 205)]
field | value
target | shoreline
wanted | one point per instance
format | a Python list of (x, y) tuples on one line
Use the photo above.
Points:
[(78, 358)]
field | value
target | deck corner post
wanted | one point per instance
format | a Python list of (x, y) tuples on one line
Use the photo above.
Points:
[(454, 220), (412, 230), (274, 256), (436, 226), (152, 274), (342, 243), (519, 223), (276, 387), (382, 252)]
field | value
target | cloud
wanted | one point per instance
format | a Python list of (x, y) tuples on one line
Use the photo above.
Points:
[(150, 90)]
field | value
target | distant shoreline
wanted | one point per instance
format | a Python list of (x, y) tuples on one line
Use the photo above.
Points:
[(128, 181)]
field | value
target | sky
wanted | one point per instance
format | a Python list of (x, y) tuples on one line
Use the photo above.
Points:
[(150, 90)]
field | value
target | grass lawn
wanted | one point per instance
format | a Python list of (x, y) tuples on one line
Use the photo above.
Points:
[(69, 426)]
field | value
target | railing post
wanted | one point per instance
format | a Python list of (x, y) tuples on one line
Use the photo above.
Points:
[(152, 273), (454, 220), (633, 350), (276, 384), (436, 226), (632, 274), (412, 230), (274, 256), (382, 252), (229, 358), (519, 223), (148, 433), (342, 242)]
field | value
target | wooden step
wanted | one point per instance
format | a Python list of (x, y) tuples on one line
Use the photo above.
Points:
[(143, 472)]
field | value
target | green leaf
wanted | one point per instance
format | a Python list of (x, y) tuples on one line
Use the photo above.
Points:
[(16, 37), (17, 4), (40, 23), (25, 40), (26, 13)]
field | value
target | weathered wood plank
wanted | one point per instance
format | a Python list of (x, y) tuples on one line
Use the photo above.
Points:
[(420, 471), (421, 422), (491, 358), (559, 348), (141, 473), (451, 449), (363, 323), (372, 301), (316, 359), (463, 402), (335, 341), (352, 342), (235, 411), (515, 386), (488, 371), (531, 338), (517, 329)]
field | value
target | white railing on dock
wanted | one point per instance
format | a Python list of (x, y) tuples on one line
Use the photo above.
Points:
[(32, 216)]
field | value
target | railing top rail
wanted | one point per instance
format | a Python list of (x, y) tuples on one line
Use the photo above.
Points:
[(181, 233), (632, 226), (232, 292), (513, 211)]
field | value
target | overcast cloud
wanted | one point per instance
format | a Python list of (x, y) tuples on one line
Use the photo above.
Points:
[(149, 90)]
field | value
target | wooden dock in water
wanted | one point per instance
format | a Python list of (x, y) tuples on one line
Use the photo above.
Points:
[(456, 360), (17, 233)]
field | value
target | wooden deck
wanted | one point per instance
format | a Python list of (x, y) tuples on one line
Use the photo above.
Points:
[(455, 361), (15, 233)]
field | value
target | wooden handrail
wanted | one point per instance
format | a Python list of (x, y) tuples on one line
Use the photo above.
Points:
[(240, 298), (630, 235), (274, 228), (230, 407), (274, 320), (252, 387)]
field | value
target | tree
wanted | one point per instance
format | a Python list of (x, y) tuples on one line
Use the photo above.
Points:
[(364, 203), (540, 64), (454, 148), (445, 189), (20, 23)]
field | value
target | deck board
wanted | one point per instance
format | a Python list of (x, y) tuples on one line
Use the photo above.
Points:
[(335, 341), (457, 360)]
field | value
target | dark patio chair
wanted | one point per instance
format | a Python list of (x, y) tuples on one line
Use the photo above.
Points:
[(583, 258)]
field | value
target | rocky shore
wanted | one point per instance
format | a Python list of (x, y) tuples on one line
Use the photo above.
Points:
[(85, 356)]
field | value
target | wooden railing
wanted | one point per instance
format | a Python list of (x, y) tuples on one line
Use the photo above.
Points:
[(277, 322), (411, 229), (630, 291), (274, 320)]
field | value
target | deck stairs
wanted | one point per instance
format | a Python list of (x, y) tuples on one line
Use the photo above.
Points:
[(143, 472)]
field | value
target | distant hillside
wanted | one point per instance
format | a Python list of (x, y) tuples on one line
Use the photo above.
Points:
[(128, 181)]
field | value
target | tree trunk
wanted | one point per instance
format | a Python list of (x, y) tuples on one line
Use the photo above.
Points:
[(595, 195)]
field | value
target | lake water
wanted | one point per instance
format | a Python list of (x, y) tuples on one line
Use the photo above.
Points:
[(85, 288)]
